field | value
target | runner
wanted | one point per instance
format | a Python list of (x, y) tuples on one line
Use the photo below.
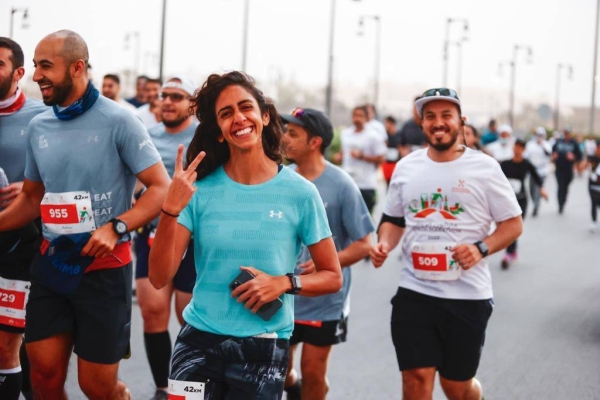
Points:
[(393, 149), (516, 170), (140, 97), (248, 216), (445, 197), (565, 154), (594, 185), (147, 112), (178, 127), (321, 322), (373, 123), (17, 247), (362, 151), (111, 87), (471, 137), (411, 134), (491, 134), (79, 176), (502, 149), (538, 152)]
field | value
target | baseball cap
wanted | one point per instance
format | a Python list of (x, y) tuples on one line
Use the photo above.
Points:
[(185, 84), (540, 131), (315, 121), (505, 128), (435, 95)]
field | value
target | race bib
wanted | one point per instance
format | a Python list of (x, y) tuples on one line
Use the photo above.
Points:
[(433, 261), (13, 298), (67, 213), (516, 184), (179, 390)]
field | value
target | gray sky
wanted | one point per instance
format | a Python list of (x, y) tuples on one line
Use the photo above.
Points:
[(291, 38)]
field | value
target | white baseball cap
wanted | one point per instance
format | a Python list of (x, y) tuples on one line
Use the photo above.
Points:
[(185, 84)]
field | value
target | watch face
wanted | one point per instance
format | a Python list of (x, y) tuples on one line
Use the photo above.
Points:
[(121, 228)]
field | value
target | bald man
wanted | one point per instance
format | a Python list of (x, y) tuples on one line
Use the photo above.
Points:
[(83, 159)]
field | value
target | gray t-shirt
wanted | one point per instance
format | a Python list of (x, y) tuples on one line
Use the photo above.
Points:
[(13, 138), (99, 152), (349, 221)]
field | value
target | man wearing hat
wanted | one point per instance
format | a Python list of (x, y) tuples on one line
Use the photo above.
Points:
[(321, 322), (565, 154), (443, 200), (502, 149), (178, 126), (538, 152)]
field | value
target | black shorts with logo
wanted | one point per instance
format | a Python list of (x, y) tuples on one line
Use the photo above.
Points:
[(97, 313), (327, 334), (444, 333)]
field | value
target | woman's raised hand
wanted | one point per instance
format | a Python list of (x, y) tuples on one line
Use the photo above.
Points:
[(182, 186)]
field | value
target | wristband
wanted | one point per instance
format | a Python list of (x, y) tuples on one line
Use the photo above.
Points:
[(169, 214)]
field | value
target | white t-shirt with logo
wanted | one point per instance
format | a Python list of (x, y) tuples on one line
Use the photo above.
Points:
[(363, 173), (447, 203)]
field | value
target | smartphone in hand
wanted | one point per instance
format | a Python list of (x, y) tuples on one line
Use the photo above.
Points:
[(266, 311)]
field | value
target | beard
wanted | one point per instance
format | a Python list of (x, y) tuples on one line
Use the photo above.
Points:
[(61, 90), (5, 86), (174, 123), (441, 146)]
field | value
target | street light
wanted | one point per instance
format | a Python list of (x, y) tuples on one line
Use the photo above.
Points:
[(458, 45), (449, 22), (162, 40), (329, 89), (513, 77), (377, 20), (136, 61), (559, 68), (24, 25), (245, 38)]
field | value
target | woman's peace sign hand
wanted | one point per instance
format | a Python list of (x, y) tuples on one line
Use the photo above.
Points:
[(182, 186)]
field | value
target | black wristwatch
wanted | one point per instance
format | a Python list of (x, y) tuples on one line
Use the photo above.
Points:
[(296, 284), (119, 227), (483, 249)]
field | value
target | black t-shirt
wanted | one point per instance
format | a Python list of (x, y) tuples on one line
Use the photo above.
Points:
[(134, 102), (393, 141), (411, 134), (516, 172), (562, 147)]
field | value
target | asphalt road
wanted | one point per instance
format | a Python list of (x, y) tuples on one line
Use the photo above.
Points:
[(543, 338)]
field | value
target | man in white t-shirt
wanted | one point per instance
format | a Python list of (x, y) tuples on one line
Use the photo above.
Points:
[(502, 149), (538, 151), (145, 112), (443, 199), (111, 88), (373, 123), (362, 151)]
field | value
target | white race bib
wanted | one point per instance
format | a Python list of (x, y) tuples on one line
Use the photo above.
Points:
[(67, 213), (433, 261), (179, 390), (13, 298), (516, 184)]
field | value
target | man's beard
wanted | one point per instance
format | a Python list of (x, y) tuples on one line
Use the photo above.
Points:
[(175, 123), (5, 87), (61, 90), (442, 146)]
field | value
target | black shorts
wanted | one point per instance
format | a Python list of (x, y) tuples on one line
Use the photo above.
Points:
[(97, 313), (443, 333), (329, 333), (184, 279)]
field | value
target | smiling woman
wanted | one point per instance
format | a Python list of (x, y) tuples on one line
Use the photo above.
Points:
[(248, 216)]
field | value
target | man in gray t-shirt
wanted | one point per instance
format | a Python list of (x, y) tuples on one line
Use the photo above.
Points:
[(321, 322)]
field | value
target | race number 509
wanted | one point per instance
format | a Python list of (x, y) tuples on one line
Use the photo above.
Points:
[(429, 262)]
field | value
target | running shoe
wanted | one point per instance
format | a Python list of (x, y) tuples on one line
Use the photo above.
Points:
[(505, 262), (294, 392), (160, 395)]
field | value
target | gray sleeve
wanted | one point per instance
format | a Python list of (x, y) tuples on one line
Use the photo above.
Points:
[(356, 219), (136, 149), (31, 169)]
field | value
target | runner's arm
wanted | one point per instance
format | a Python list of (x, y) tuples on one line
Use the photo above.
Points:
[(357, 250), (506, 232), (24, 208), (167, 250), (389, 235)]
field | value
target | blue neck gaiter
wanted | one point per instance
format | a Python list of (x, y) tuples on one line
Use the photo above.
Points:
[(80, 106)]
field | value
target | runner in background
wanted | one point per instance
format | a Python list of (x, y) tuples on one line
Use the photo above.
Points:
[(538, 151), (373, 123), (502, 149), (443, 200), (149, 112), (490, 135), (111, 87), (593, 163), (321, 322), (140, 96), (178, 127), (411, 134), (565, 154), (393, 149), (516, 170), (17, 247), (471, 137)]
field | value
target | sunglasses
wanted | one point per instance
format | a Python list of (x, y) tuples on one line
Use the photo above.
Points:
[(298, 112), (175, 97), (441, 92)]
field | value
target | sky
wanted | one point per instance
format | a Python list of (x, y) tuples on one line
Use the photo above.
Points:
[(290, 39)]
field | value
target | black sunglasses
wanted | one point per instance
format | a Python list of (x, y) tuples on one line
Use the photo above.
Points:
[(175, 97), (441, 92)]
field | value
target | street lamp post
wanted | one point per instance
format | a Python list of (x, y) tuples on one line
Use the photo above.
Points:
[(593, 106), (513, 78), (136, 60), (245, 38), (162, 40), (13, 11), (329, 89), (559, 68), (449, 22), (458, 45), (377, 20)]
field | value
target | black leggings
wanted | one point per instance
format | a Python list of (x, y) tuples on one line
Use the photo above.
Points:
[(512, 248), (563, 179), (595, 197)]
